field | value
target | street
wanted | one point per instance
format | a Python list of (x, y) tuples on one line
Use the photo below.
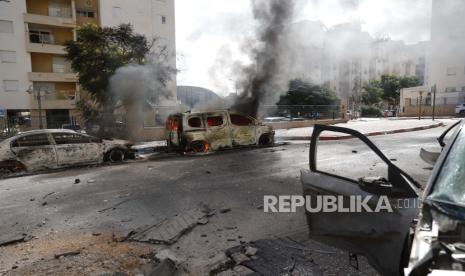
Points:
[(86, 204)]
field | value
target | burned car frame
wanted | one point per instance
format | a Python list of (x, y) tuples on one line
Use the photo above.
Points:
[(56, 148), (392, 242), (215, 130)]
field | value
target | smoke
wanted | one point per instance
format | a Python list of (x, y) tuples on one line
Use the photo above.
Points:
[(262, 81), (138, 87)]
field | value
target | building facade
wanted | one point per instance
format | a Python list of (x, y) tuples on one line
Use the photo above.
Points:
[(32, 56)]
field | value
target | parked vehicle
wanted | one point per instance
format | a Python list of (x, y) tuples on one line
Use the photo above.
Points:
[(56, 148), (424, 238), (460, 109), (75, 127), (210, 131)]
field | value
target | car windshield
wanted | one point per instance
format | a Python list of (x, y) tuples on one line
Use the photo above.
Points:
[(450, 185)]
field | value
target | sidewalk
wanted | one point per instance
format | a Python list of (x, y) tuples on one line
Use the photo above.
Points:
[(369, 127)]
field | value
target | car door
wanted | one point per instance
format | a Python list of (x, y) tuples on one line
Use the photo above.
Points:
[(379, 235), (35, 151), (243, 130), (75, 148), (218, 133)]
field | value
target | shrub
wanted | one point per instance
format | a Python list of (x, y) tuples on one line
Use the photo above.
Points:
[(371, 111)]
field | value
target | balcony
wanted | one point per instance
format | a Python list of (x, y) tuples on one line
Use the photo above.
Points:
[(52, 77), (64, 22), (47, 42)]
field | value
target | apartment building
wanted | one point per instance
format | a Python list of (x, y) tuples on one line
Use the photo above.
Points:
[(32, 57), (446, 55)]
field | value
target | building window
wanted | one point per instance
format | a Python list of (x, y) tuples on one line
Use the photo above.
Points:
[(85, 13), (6, 26), (163, 19), (8, 56), (116, 12), (451, 71), (451, 89), (10, 85)]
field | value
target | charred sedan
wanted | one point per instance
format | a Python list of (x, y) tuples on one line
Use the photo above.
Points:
[(210, 131), (56, 148), (416, 240)]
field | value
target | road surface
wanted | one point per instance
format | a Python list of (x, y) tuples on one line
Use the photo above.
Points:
[(119, 199)]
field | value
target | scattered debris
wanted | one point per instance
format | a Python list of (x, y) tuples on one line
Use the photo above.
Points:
[(170, 230), (16, 239), (202, 221), (77, 181), (32, 199), (66, 254), (250, 251), (44, 203), (45, 196), (96, 234), (114, 206), (393, 159), (354, 151), (166, 267), (224, 211), (91, 181), (208, 172)]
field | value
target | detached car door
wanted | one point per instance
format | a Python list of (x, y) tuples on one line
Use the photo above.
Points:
[(35, 151), (75, 148), (355, 171), (243, 130)]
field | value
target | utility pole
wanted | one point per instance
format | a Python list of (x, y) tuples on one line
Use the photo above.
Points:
[(38, 96), (419, 105), (434, 100)]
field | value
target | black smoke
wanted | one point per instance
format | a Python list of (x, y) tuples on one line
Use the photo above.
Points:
[(261, 80)]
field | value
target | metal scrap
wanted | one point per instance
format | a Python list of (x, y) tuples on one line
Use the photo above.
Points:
[(168, 231)]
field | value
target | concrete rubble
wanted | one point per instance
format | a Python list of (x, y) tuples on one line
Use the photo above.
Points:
[(170, 230)]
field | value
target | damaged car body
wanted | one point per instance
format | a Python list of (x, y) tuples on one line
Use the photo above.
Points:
[(211, 131), (57, 148), (408, 241)]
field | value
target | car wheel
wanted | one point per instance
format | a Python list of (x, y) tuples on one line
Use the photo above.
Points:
[(10, 168), (115, 155), (199, 146), (265, 140)]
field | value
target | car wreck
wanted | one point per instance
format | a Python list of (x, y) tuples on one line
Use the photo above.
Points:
[(38, 150), (212, 131), (420, 239)]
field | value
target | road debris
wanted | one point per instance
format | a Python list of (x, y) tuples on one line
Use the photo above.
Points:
[(15, 239), (66, 254), (225, 210), (114, 206), (168, 231), (49, 194), (77, 181)]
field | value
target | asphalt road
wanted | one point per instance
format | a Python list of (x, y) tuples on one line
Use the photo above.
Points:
[(124, 197)]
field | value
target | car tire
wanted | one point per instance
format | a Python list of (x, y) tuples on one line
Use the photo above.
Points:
[(265, 141), (198, 146), (11, 167), (115, 156)]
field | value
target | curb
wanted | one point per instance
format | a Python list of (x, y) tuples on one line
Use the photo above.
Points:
[(376, 133)]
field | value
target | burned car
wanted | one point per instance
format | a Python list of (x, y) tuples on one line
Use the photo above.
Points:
[(56, 148), (421, 237), (211, 131)]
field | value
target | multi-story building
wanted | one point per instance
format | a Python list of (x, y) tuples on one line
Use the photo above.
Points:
[(32, 56), (446, 55)]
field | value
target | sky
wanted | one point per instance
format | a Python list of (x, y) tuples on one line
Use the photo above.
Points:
[(207, 31)]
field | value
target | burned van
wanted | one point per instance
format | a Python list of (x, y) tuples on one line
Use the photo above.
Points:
[(215, 130)]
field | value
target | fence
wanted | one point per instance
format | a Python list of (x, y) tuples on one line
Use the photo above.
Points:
[(315, 112)]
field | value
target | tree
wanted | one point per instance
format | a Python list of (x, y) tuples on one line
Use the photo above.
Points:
[(391, 85), (304, 93), (372, 93), (95, 56)]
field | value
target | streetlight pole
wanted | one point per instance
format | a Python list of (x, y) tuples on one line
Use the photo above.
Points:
[(434, 101), (38, 95)]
